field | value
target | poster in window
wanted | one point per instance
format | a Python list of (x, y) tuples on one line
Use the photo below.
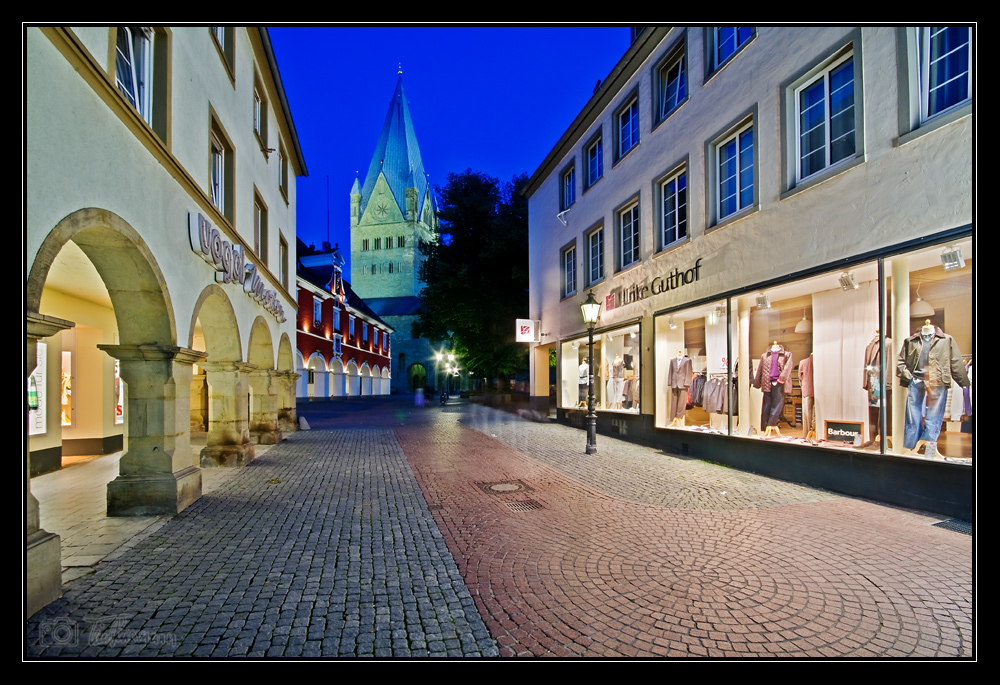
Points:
[(36, 393), (119, 395)]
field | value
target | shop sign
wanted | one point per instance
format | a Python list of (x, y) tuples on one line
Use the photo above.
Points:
[(229, 262), (527, 330), (660, 284), (843, 431)]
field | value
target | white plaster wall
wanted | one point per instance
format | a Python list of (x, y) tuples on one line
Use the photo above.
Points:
[(78, 145), (897, 193)]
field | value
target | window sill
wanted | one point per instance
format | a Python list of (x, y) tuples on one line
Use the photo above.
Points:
[(733, 218), (567, 296), (625, 155), (934, 124), (598, 180), (667, 249), (823, 176), (628, 267)]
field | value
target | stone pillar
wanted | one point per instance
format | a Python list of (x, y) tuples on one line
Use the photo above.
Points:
[(156, 474), (264, 407), (288, 420), (199, 405), (42, 558), (228, 442)]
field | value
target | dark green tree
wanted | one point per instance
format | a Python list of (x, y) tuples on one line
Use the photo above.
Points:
[(476, 275)]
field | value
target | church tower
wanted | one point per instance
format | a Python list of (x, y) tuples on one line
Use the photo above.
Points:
[(391, 214)]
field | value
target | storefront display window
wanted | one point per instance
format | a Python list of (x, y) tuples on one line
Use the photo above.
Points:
[(616, 371), (37, 392), (816, 361)]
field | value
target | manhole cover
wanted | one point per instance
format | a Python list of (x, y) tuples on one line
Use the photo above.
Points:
[(526, 505), (503, 487)]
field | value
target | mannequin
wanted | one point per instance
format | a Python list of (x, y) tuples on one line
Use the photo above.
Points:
[(772, 375), (616, 382), (808, 395), (678, 380), (928, 362), (872, 383), (584, 382)]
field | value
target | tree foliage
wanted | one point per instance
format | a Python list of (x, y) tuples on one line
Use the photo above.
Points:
[(476, 274)]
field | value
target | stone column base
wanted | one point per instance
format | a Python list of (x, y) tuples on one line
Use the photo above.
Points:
[(232, 456), (266, 437), (154, 494), (43, 570)]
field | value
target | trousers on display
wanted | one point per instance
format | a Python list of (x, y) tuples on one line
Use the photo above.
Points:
[(774, 404), (928, 401)]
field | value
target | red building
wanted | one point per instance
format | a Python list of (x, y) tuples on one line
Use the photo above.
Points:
[(343, 346)]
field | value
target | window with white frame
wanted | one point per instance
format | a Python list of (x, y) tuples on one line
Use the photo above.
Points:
[(336, 319), (134, 68), (944, 63), (317, 310), (283, 260), (225, 41), (825, 118), (628, 234), (364, 332), (628, 127), (258, 106), (350, 327), (260, 228), (569, 271), (217, 157), (595, 255), (735, 173), (568, 183), (283, 171), (673, 205), (595, 160), (726, 42), (672, 78)]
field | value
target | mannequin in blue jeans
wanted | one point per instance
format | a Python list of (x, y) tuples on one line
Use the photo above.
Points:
[(928, 362)]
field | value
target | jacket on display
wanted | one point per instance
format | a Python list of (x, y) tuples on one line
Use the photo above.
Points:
[(679, 373), (944, 361), (763, 378)]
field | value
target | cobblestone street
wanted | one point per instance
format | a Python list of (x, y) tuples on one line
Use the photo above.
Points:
[(389, 530)]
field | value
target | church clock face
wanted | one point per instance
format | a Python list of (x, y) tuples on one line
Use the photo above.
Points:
[(382, 210)]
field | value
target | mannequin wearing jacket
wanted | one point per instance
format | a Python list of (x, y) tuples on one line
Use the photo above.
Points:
[(678, 380), (871, 382), (773, 374), (928, 362)]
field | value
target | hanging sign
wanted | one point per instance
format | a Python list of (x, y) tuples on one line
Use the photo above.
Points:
[(527, 330)]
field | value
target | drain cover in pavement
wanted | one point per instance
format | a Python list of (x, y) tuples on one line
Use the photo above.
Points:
[(526, 505), (956, 525)]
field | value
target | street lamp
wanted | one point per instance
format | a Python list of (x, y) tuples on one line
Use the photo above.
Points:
[(591, 308)]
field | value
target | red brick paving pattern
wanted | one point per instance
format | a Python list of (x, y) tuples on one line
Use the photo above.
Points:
[(589, 574)]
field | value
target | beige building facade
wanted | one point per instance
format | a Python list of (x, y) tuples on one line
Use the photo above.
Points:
[(789, 198), (159, 211)]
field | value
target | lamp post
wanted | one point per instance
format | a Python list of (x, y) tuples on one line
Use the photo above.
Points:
[(591, 308)]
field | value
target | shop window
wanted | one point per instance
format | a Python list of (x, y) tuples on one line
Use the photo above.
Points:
[(615, 371)]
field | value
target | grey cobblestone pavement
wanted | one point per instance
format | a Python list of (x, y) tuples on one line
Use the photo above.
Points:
[(637, 473), (323, 547)]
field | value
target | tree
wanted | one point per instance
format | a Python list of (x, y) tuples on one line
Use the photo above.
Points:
[(476, 274)]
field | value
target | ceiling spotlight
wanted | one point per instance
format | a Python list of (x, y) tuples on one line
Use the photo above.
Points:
[(952, 258), (847, 281), (672, 323), (763, 302)]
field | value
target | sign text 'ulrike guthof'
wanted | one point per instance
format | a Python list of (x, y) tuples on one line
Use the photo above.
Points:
[(660, 284), (229, 262)]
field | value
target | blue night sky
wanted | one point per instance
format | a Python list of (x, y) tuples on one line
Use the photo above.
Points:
[(494, 99)]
